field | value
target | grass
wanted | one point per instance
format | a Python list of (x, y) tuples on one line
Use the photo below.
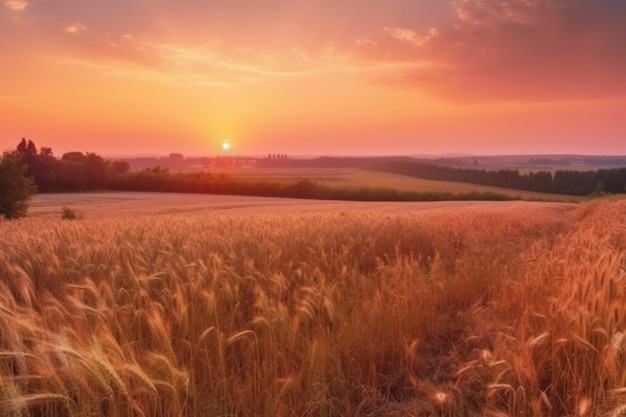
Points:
[(500, 309)]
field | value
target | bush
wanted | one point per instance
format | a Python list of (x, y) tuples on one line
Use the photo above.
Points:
[(69, 214)]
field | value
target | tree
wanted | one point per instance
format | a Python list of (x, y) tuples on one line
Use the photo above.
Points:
[(27, 149), (119, 167), (15, 187)]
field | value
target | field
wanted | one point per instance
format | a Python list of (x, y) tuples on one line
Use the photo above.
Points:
[(191, 305), (552, 163), (104, 204), (349, 177)]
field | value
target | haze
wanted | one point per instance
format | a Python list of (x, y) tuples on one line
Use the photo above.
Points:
[(302, 76)]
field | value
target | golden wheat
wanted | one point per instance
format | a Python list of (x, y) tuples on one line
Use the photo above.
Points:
[(518, 309)]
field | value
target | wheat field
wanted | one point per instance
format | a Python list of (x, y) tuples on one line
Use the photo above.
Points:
[(510, 309)]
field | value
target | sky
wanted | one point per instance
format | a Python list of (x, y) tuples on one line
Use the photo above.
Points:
[(301, 77)]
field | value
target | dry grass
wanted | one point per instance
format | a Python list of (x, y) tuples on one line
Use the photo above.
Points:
[(505, 310)]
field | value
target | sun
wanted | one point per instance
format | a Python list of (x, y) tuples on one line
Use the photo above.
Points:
[(225, 146)]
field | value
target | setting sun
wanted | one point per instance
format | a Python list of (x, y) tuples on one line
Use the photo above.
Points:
[(404, 77), (226, 146)]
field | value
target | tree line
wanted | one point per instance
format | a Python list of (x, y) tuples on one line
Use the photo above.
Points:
[(567, 182), (74, 171), (27, 170)]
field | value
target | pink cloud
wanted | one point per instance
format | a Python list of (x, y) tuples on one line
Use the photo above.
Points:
[(521, 50), (75, 28), (410, 36), (16, 5)]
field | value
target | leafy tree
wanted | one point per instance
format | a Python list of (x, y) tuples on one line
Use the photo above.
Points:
[(42, 166), (15, 187), (27, 149), (119, 167)]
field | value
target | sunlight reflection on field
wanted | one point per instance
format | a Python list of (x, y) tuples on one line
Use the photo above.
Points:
[(129, 203)]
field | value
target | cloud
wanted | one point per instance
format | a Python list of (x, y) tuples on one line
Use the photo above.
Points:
[(469, 50), (212, 64), (215, 64), (521, 50), (410, 36), (75, 28), (16, 5)]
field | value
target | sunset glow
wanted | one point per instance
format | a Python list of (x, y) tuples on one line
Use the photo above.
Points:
[(324, 77)]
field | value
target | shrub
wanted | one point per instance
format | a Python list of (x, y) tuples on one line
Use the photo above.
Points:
[(69, 214)]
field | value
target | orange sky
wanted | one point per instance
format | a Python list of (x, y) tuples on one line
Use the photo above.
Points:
[(314, 76)]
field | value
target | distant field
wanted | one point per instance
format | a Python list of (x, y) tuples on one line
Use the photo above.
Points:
[(553, 168), (526, 168), (287, 174), (552, 163), (348, 177), (403, 182), (104, 204)]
